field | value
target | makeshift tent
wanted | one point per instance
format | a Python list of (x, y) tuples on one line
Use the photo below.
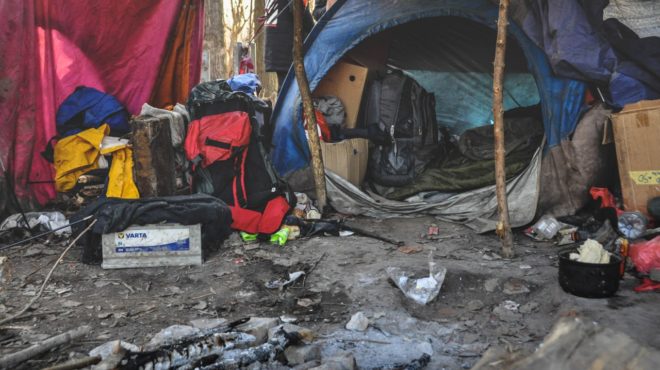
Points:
[(447, 46), (134, 50)]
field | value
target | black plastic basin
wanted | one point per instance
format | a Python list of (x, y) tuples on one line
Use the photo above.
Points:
[(589, 280)]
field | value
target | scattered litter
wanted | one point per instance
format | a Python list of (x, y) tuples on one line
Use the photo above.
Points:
[(294, 231), (248, 238), (280, 237), (288, 319), (422, 290), (358, 322), (525, 267), (547, 227), (632, 224), (511, 305), (646, 255), (104, 315), (281, 283), (591, 252), (305, 209), (410, 249), (346, 233), (47, 220), (433, 230)]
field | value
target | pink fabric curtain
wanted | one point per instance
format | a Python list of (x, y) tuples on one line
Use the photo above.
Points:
[(52, 46)]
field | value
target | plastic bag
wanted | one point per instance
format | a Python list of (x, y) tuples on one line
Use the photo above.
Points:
[(646, 255)]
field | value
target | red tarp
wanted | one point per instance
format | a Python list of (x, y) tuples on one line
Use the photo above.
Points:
[(51, 46)]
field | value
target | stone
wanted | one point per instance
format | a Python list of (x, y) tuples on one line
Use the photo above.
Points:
[(171, 334), (469, 338), (491, 284), (307, 335), (514, 286), (529, 307), (259, 327), (358, 322), (70, 304), (307, 365), (475, 305), (507, 311), (342, 361), (207, 324), (296, 355), (105, 349)]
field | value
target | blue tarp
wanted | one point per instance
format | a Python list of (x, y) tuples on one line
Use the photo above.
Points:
[(349, 22)]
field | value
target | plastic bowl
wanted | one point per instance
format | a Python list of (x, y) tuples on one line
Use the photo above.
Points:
[(589, 280)]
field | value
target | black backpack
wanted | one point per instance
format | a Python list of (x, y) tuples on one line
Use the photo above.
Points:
[(244, 177), (400, 117)]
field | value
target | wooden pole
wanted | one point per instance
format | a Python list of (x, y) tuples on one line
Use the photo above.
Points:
[(10, 361), (503, 226), (308, 107)]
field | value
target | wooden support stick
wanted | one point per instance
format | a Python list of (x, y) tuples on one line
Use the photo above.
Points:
[(503, 226), (308, 107), (10, 361)]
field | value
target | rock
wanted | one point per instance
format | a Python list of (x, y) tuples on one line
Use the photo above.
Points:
[(207, 324), (259, 327), (201, 305), (297, 355), (70, 304), (529, 307), (491, 284), (105, 349), (171, 334), (507, 311), (32, 251), (307, 365), (306, 334), (288, 319), (358, 322), (514, 286), (470, 338), (475, 305), (343, 361)]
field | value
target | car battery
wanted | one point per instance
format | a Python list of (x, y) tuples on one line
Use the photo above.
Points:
[(152, 246)]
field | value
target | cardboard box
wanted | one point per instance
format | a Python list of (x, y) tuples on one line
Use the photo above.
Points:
[(637, 140), (347, 159), (346, 82)]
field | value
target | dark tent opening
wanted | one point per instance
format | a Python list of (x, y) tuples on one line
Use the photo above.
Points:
[(452, 57)]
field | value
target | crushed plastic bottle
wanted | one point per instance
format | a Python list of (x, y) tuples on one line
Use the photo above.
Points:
[(632, 224), (547, 227)]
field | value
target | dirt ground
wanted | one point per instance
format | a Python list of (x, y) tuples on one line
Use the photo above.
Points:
[(344, 275)]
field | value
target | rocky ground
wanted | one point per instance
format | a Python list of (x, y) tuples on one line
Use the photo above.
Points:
[(484, 301)]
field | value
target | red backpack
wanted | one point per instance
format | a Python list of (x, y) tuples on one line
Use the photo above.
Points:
[(226, 143)]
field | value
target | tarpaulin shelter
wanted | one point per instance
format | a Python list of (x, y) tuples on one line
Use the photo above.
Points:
[(558, 40), (138, 51)]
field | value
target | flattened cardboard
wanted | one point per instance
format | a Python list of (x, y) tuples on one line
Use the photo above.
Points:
[(346, 82), (637, 140)]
